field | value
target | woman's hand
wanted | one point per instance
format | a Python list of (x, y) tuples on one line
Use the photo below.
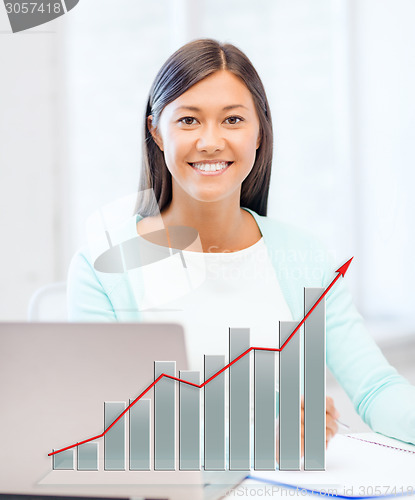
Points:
[(331, 416), (331, 426)]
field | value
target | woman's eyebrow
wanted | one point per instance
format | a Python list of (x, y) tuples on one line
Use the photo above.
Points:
[(226, 108)]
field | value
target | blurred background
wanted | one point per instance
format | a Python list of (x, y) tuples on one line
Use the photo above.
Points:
[(340, 78)]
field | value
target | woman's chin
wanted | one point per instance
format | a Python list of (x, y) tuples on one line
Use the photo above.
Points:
[(211, 196)]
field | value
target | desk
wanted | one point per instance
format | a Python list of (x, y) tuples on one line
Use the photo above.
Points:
[(355, 467)]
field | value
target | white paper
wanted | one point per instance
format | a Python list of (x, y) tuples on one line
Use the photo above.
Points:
[(353, 468)]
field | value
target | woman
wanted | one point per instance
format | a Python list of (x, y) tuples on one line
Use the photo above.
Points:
[(207, 158)]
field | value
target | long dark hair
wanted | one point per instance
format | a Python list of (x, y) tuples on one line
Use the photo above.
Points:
[(183, 69)]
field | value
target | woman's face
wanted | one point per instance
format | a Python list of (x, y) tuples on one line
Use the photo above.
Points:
[(209, 136)]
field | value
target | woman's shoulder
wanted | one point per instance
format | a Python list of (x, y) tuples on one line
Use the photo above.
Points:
[(100, 258), (83, 272), (284, 235), (98, 288)]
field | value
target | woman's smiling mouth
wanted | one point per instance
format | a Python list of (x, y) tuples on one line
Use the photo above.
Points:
[(211, 167)]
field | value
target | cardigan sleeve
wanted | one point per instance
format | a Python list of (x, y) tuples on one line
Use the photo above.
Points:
[(87, 300), (382, 397)]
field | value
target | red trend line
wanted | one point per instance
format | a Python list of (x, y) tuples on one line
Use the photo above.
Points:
[(341, 272)]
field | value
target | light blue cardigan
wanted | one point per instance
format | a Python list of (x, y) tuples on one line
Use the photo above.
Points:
[(384, 399)]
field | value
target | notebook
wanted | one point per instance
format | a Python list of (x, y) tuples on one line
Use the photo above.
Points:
[(364, 465)]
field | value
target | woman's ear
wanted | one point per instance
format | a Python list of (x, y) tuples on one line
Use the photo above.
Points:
[(154, 132), (258, 142)]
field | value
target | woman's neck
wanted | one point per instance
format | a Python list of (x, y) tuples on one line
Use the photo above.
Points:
[(222, 225)]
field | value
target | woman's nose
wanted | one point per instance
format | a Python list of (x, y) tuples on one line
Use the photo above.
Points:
[(210, 140)]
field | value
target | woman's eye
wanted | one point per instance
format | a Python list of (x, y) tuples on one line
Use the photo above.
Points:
[(187, 120), (233, 120)]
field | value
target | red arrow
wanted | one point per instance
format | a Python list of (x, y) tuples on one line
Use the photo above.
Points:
[(343, 269), (341, 272)]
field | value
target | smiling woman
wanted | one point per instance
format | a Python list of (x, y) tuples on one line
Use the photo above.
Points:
[(207, 159), (208, 156), (208, 146), (213, 142), (191, 80)]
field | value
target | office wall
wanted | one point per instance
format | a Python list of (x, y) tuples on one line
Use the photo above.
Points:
[(384, 133), (339, 75), (30, 168)]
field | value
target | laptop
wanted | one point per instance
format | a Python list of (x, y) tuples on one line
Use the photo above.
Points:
[(54, 380)]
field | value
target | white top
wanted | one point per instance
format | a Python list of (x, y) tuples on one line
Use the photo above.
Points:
[(213, 292)]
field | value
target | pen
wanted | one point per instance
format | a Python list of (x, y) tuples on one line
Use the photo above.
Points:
[(341, 424)]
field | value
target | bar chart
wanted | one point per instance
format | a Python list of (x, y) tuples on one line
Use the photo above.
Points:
[(131, 428)]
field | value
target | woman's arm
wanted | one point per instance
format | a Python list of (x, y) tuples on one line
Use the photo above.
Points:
[(383, 398), (87, 299)]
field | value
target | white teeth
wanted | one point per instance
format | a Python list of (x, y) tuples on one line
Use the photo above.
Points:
[(211, 167)]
